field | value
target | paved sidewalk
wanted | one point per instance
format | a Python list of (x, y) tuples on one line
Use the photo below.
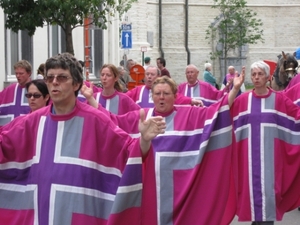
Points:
[(290, 218)]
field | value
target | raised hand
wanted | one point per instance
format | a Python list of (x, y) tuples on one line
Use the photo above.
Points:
[(149, 129), (86, 91), (239, 79)]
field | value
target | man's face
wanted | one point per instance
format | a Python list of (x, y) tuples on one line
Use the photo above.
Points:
[(22, 76), (191, 74), (131, 64), (61, 89), (163, 98), (150, 76), (159, 65), (258, 78)]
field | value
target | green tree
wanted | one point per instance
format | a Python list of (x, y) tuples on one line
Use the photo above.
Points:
[(235, 27), (68, 14)]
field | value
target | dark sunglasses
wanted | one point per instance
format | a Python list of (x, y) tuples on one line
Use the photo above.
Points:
[(35, 95), (59, 78)]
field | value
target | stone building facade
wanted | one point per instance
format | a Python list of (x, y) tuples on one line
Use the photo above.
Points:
[(175, 28), (281, 33)]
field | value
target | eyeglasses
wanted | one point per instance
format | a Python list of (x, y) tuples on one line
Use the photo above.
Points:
[(59, 78), (35, 95)]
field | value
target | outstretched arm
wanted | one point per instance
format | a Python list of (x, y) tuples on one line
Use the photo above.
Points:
[(149, 129), (237, 83)]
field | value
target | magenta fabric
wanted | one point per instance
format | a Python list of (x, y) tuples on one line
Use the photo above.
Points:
[(55, 169), (267, 157)]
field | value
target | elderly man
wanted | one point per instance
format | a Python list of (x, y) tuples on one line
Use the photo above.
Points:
[(195, 88), (13, 102), (54, 164), (142, 94)]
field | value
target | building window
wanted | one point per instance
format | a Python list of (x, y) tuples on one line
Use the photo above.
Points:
[(18, 46)]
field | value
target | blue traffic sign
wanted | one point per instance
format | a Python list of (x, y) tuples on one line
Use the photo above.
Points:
[(126, 39)]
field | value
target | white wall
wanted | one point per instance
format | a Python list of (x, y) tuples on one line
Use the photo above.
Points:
[(2, 50)]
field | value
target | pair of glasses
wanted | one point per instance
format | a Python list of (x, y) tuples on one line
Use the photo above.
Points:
[(35, 95), (59, 78)]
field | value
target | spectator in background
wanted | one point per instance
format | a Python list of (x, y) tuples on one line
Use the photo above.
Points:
[(40, 72), (13, 102), (229, 77), (208, 77), (129, 64), (147, 62), (161, 64), (122, 81)]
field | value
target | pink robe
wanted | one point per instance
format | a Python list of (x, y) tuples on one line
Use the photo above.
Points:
[(202, 91), (267, 150), (118, 103), (142, 96), (187, 177), (293, 93), (78, 168), (13, 103)]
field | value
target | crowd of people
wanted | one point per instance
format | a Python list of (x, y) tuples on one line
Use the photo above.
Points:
[(160, 153)]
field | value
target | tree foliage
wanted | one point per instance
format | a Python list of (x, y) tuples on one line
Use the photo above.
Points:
[(235, 26), (68, 14)]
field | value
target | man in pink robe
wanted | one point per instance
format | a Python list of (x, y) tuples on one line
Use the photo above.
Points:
[(197, 89), (142, 94), (13, 102)]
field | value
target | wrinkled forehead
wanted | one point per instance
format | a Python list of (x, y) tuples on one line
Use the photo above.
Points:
[(151, 70), (191, 69)]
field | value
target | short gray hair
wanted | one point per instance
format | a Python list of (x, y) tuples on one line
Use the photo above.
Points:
[(261, 65), (207, 65)]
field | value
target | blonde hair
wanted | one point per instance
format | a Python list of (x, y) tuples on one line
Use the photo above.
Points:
[(165, 80)]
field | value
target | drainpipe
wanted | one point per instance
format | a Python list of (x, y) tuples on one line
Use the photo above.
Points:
[(87, 48), (160, 29), (187, 31)]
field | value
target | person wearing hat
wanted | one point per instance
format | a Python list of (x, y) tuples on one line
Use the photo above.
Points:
[(147, 62)]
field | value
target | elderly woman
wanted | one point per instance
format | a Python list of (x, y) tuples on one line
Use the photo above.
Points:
[(266, 125), (208, 77)]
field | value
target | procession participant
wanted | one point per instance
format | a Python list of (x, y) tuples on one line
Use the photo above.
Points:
[(38, 97), (111, 97), (142, 94), (201, 90), (189, 162), (68, 162), (267, 128), (13, 102)]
